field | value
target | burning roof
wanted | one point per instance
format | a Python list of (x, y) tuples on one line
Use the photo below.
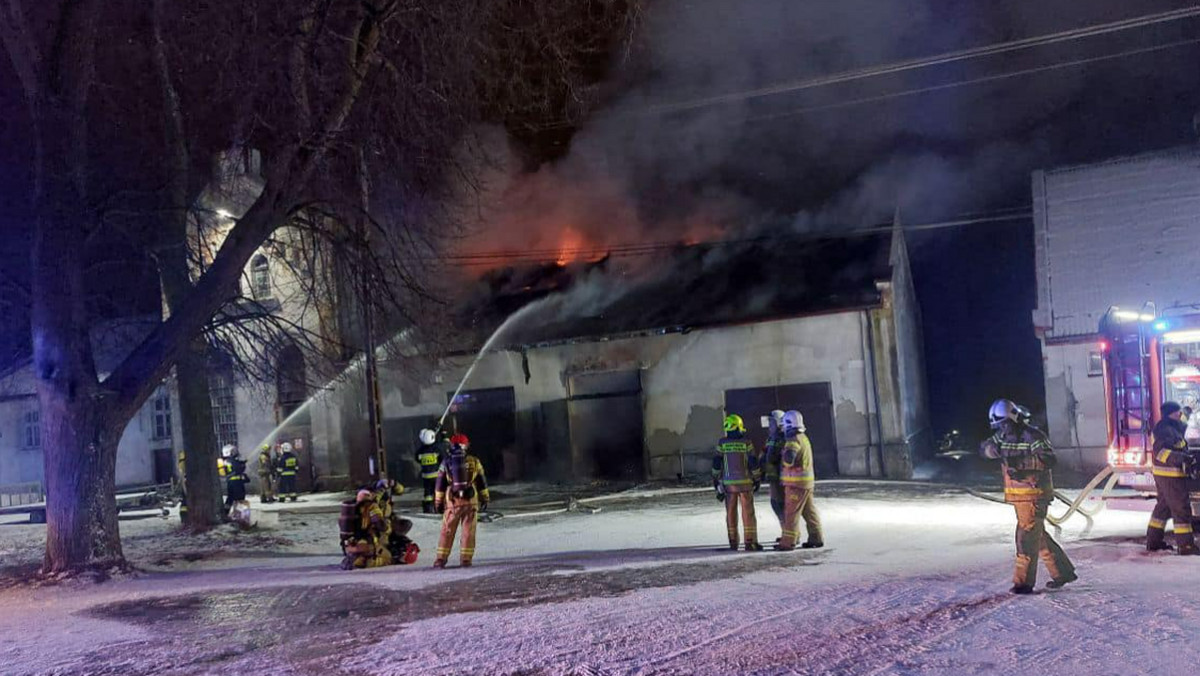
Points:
[(694, 286)]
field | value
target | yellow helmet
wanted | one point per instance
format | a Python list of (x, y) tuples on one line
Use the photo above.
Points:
[(733, 423), (182, 455)]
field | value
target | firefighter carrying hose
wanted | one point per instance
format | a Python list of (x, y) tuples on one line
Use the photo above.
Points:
[(736, 477), (429, 457), (1171, 464), (462, 491), (1027, 459), (797, 478), (288, 465)]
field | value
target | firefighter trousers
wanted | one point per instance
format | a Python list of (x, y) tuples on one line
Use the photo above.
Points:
[(776, 491), (287, 487), (744, 499), (266, 487), (458, 511), (1033, 541), (797, 504), (1173, 504), (430, 487)]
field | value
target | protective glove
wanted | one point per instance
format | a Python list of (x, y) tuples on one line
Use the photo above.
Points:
[(756, 485)]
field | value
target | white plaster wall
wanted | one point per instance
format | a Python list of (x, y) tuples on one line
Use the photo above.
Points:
[(1081, 440), (17, 464)]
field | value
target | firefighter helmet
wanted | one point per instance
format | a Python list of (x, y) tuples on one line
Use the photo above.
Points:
[(734, 423), (793, 423), (228, 451), (460, 439), (427, 436), (285, 447), (1001, 410), (1170, 408), (775, 421)]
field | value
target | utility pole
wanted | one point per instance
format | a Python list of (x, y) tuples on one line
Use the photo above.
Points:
[(378, 457)]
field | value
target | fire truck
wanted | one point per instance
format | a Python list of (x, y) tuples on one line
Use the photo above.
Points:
[(1149, 358)]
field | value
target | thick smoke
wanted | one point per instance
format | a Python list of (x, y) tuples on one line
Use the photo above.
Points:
[(636, 175)]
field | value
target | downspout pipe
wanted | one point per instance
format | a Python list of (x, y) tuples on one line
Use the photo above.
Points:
[(875, 392)]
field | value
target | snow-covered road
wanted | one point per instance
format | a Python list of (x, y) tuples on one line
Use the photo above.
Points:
[(913, 582)]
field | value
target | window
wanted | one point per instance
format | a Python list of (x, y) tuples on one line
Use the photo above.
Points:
[(260, 277), (32, 429), (290, 380), (162, 414), (1095, 364), (224, 412)]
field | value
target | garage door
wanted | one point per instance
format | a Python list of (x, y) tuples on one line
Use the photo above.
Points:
[(813, 400)]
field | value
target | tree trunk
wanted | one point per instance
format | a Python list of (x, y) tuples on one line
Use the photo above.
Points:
[(203, 486)]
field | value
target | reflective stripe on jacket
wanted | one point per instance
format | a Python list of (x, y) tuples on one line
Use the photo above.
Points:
[(796, 463), (288, 464), (735, 464), (1026, 457), (1170, 449)]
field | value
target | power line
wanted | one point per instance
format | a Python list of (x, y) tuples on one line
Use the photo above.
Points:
[(972, 81), (925, 62)]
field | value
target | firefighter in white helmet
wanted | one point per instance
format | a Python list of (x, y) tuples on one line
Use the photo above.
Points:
[(771, 453), (797, 477), (1027, 459), (429, 457)]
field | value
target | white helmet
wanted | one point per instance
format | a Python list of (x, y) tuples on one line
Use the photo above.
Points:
[(228, 450), (775, 420), (427, 436), (793, 422), (1001, 410), (285, 447)]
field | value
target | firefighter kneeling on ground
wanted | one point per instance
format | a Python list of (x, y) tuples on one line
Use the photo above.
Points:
[(1027, 459), (362, 531), (797, 477), (463, 492), (395, 537), (1172, 463), (736, 476)]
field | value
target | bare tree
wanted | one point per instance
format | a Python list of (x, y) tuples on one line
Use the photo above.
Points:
[(127, 103)]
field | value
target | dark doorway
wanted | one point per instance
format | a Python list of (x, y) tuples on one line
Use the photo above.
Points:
[(606, 425), (400, 442), (164, 465), (813, 400), (489, 418)]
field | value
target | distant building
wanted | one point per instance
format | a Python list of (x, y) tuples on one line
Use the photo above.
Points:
[(1121, 236), (634, 384)]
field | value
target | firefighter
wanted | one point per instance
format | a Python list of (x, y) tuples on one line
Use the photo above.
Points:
[(235, 480), (770, 463), (365, 548), (1027, 459), (266, 473), (288, 464), (223, 464), (181, 470), (429, 457), (463, 492), (1171, 464), (736, 474), (395, 534), (797, 478)]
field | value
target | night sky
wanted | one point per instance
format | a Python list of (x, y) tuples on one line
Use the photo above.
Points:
[(830, 158)]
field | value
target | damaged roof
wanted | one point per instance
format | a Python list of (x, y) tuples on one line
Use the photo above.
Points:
[(695, 286)]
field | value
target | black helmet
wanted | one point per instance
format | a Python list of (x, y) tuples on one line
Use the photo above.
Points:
[(1170, 408)]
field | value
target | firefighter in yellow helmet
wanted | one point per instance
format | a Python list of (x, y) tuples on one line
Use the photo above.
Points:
[(1171, 463), (463, 491), (1027, 459), (736, 477), (797, 478)]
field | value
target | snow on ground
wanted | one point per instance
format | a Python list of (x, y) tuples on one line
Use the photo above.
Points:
[(913, 581)]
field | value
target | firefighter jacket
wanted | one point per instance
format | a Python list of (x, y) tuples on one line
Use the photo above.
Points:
[(266, 463), (796, 463), (288, 464), (770, 461), (1170, 449), (735, 464), (1026, 457), (461, 476), (430, 459)]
